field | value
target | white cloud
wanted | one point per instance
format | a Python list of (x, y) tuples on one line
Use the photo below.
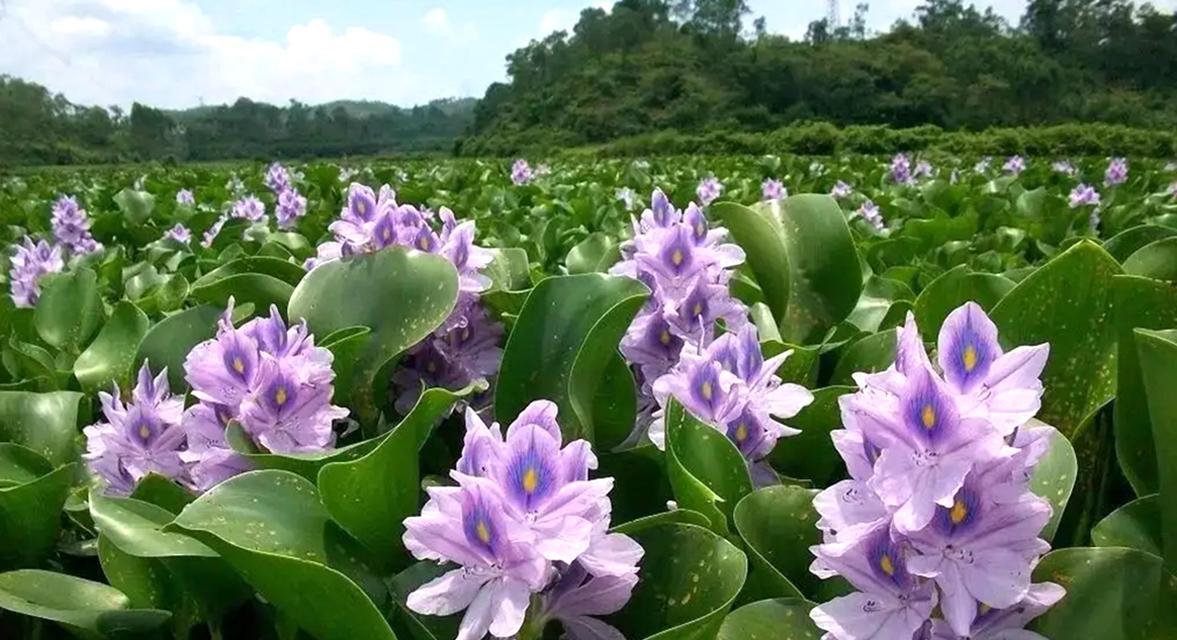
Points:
[(436, 20), (437, 23), (557, 20), (169, 53)]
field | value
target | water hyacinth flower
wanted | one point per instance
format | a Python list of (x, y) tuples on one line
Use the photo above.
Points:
[(521, 172), (870, 212), (730, 386), (1065, 168), (708, 190), (291, 207), (524, 522), (213, 231), (185, 197), (71, 227), (901, 169), (450, 359), (249, 208), (277, 178), (29, 261), (1084, 195), (1116, 173), (937, 514), (268, 377), (841, 190), (1014, 166), (773, 189), (138, 437), (179, 233)]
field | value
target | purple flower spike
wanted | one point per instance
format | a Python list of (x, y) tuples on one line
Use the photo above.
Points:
[(277, 178), (773, 189), (139, 437), (901, 170), (524, 524), (708, 190), (184, 197), (1084, 195), (1064, 167), (179, 233), (938, 513), (870, 212), (71, 227), (1014, 166), (1117, 172), (841, 190), (291, 207), (249, 208), (29, 262), (521, 172)]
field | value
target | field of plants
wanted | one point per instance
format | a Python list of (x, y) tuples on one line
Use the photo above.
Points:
[(846, 397)]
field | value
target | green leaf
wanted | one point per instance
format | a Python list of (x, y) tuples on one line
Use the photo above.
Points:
[(135, 527), (1112, 594), (707, 473), (19, 465), (30, 512), (779, 619), (44, 422), (687, 581), (811, 454), (1158, 363), (1054, 477), (509, 270), (162, 492), (1127, 242), (401, 295), (594, 254), (135, 205), (257, 288), (779, 524), (109, 358), (677, 516), (640, 483), (69, 309), (276, 268), (562, 345), (882, 301), (1136, 525), (371, 496), (952, 289), (270, 526), (1157, 260), (871, 354), (1147, 304), (91, 609), (762, 237), (167, 343), (1067, 303), (420, 626)]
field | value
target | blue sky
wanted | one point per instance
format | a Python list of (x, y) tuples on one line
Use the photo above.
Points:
[(179, 53)]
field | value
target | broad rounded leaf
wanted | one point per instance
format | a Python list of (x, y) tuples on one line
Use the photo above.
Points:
[(779, 524), (1136, 525), (69, 309), (1157, 260), (43, 422), (81, 605), (1158, 363), (870, 354), (707, 472), (30, 516), (952, 289), (810, 454), (167, 344), (762, 238), (1054, 478), (594, 254), (779, 619), (109, 358)]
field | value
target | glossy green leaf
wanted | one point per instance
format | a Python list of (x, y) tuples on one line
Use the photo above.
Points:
[(1054, 477), (870, 354), (594, 254), (419, 291), (1127, 242), (952, 289), (1158, 363), (69, 309), (778, 619), (136, 206), (1147, 304), (91, 609), (883, 301), (257, 288), (687, 581), (276, 268), (778, 525), (30, 515), (1136, 525), (415, 625), (107, 361), (1157, 260), (707, 473), (762, 238), (563, 343), (44, 422), (1068, 304), (270, 526), (811, 454), (19, 465), (677, 516), (135, 527), (167, 343)]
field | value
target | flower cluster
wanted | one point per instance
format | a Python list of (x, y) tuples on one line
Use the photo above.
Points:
[(1084, 195), (524, 522), (938, 511), (138, 437), (213, 231), (249, 208), (901, 169), (1014, 166), (29, 261), (291, 205), (1065, 167), (687, 266), (773, 189), (709, 189), (730, 386), (184, 197), (1117, 172), (521, 172), (179, 233), (71, 227), (269, 378), (870, 212), (841, 190), (465, 348), (277, 178)]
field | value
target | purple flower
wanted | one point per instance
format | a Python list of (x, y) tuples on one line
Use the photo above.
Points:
[(1065, 168), (213, 231), (708, 190), (773, 189), (870, 212), (270, 378), (1006, 624), (450, 359), (29, 262), (137, 438), (938, 513), (841, 190), (249, 208), (523, 520), (1015, 165), (730, 386), (1117, 172), (1084, 195), (901, 169), (277, 178), (71, 227), (291, 207), (184, 197), (178, 233), (521, 172)]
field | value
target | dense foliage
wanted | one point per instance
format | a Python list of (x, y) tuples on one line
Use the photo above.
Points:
[(652, 65), (859, 394)]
